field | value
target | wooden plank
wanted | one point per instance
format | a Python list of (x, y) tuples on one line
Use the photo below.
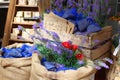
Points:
[(27, 6), (104, 34), (8, 23), (47, 4), (94, 39), (101, 50), (96, 53), (13, 8)]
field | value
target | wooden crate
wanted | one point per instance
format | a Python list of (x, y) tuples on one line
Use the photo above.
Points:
[(64, 29), (97, 52), (90, 49), (88, 42)]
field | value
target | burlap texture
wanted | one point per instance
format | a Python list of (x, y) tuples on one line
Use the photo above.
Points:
[(114, 71), (39, 72), (15, 68)]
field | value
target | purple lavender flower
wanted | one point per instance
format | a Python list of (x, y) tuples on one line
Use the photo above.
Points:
[(59, 4), (59, 65), (41, 25), (109, 10), (97, 67), (71, 3), (90, 14), (55, 36), (20, 28), (95, 7), (57, 49), (47, 11), (34, 26), (32, 37), (48, 46), (85, 3), (70, 53), (102, 64), (108, 60), (44, 40), (80, 62), (21, 38), (33, 49)]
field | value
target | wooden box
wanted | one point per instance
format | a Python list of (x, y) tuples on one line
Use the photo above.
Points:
[(97, 52), (93, 45)]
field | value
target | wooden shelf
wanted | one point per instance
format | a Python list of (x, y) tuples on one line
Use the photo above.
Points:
[(5, 2), (27, 6), (18, 40), (10, 24), (29, 24), (3, 6)]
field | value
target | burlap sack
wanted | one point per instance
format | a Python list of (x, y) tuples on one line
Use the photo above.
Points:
[(15, 68), (39, 72), (114, 71)]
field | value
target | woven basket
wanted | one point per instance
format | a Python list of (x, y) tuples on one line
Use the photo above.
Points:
[(39, 72), (15, 68)]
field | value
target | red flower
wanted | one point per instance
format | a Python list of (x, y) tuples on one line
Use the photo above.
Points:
[(74, 47), (79, 56), (66, 45)]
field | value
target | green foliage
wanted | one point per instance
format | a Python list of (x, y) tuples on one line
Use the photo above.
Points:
[(63, 58)]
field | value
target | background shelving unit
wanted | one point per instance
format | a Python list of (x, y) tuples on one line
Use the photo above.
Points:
[(4, 4), (3, 12), (11, 24)]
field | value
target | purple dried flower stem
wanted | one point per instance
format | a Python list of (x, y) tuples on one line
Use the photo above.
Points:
[(80, 62), (59, 4), (102, 64), (97, 67), (23, 29), (21, 38), (108, 60), (109, 10)]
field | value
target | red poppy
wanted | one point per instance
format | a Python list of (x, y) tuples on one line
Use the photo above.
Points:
[(66, 45), (74, 47), (79, 56)]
